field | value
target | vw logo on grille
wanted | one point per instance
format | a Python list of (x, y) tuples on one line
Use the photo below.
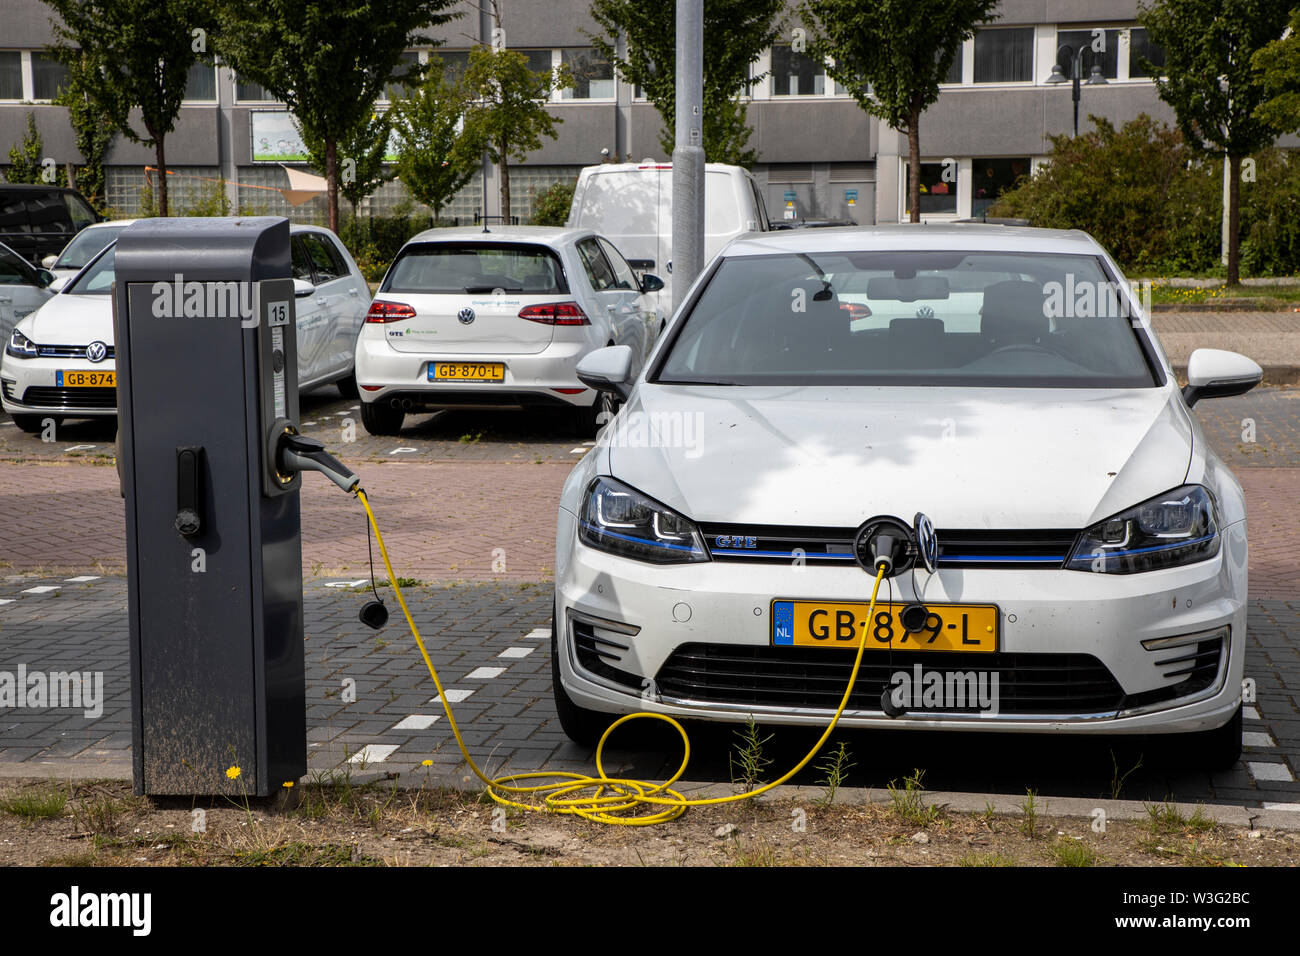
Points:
[(96, 351), (465, 316), (925, 312), (927, 542)]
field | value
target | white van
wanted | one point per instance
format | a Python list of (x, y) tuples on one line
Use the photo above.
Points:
[(631, 205)]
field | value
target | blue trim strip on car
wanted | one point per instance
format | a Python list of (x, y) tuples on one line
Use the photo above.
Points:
[(1157, 547), (1032, 559)]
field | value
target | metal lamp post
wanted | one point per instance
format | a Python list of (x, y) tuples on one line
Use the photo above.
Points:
[(1095, 76)]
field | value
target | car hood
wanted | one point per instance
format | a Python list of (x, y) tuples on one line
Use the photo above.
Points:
[(1005, 458), (72, 320)]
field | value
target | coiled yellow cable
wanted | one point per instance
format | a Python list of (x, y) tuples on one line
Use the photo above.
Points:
[(602, 798)]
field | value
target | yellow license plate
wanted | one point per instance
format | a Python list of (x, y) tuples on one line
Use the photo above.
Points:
[(79, 379), (467, 372), (972, 628)]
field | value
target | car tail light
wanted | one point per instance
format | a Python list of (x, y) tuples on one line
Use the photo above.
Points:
[(389, 312), (855, 310), (555, 313), (569, 391)]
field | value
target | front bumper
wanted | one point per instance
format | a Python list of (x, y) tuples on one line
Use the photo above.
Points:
[(31, 387), (678, 617)]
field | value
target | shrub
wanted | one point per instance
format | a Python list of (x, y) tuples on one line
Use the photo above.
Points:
[(551, 205)]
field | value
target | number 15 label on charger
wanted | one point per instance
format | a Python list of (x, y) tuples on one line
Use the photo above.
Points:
[(277, 313)]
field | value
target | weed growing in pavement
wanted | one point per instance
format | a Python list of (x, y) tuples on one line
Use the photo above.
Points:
[(1165, 819), (985, 859), (1029, 807), (748, 762), (834, 769), (37, 804), (1117, 781), (908, 801), (1072, 852)]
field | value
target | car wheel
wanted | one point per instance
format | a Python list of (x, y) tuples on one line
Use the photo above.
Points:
[(1218, 749), (31, 423), (348, 386), (582, 726), (588, 420), (381, 419)]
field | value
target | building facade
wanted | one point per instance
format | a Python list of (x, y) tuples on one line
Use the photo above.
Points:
[(820, 155)]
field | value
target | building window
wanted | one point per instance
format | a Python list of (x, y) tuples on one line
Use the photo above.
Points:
[(454, 63), (1004, 56), (593, 74), (1108, 61), (1140, 48), (49, 77), (201, 83), (938, 189), (248, 90), (539, 61), (397, 91), (796, 74), (990, 178), (11, 75)]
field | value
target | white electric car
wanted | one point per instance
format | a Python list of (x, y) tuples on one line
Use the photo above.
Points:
[(986, 407), (466, 317), (59, 361)]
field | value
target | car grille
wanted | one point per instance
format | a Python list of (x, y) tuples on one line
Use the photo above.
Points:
[(41, 396), (70, 351), (772, 544), (815, 678)]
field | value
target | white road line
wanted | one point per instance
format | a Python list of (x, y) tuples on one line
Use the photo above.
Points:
[(1250, 713), (537, 634), (305, 424), (590, 444), (454, 695), (81, 579), (345, 584), (516, 652), (1254, 739), (6, 600), (1270, 771), (416, 722), (373, 753), (1282, 806), (43, 589), (404, 451), (78, 448), (578, 451), (353, 408), (485, 673)]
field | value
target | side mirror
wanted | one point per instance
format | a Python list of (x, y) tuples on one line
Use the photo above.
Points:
[(651, 283), (1214, 373), (301, 287), (46, 277), (48, 261), (608, 370), (58, 283)]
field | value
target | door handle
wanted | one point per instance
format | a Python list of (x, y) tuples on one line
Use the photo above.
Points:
[(189, 490)]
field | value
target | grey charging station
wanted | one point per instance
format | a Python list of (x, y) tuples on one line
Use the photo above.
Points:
[(207, 408)]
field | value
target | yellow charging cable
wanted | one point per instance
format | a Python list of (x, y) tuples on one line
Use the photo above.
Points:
[(610, 798)]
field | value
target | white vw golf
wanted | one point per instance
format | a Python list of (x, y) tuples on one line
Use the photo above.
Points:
[(985, 411)]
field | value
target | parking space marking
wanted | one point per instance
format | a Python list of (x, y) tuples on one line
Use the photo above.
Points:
[(416, 722), (516, 652), (1256, 739), (454, 695), (305, 424), (81, 579), (6, 600), (373, 753), (538, 633), (485, 673), (578, 451), (345, 584), (404, 451), (42, 589), (1270, 771), (1281, 806), (1250, 713)]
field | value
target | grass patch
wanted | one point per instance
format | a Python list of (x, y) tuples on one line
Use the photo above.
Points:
[(908, 801), (39, 804), (985, 859), (297, 853), (1166, 819), (1072, 852)]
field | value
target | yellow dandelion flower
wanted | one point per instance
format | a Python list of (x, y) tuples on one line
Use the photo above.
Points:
[(427, 763), (288, 783), (233, 772)]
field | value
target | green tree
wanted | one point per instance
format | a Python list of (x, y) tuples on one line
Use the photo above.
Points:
[(328, 62), (891, 55), (736, 32), (507, 116), (25, 157), (361, 152), (428, 124), (139, 53), (1140, 191), (1279, 64), (1211, 83), (93, 129)]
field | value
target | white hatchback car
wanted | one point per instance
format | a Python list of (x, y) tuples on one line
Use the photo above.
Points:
[(988, 410), (467, 317), (83, 247), (59, 362)]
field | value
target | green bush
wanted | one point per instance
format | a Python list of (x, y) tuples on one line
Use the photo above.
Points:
[(551, 205), (1270, 215), (374, 241)]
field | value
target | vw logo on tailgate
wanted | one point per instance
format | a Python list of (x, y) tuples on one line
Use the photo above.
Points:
[(465, 316), (96, 351)]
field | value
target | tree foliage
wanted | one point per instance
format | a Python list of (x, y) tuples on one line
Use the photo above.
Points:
[(736, 32), (428, 124), (891, 56), (1278, 63), (361, 155), (94, 131), (551, 205), (139, 53), (25, 156), (328, 62)]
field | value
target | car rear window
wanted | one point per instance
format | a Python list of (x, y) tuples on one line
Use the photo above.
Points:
[(992, 319), (449, 268)]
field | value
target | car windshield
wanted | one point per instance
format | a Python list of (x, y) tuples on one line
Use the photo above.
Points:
[(449, 268), (990, 319), (85, 244), (95, 280)]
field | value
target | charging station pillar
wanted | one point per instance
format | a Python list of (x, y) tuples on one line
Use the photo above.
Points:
[(207, 383)]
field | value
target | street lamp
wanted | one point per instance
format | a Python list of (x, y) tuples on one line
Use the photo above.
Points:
[(1095, 76)]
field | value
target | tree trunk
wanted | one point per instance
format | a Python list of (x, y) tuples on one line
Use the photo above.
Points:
[(160, 157), (914, 164), (1234, 219), (332, 182), (505, 181)]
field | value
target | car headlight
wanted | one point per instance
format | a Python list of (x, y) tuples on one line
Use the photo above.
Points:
[(620, 520), (20, 346), (1176, 528)]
